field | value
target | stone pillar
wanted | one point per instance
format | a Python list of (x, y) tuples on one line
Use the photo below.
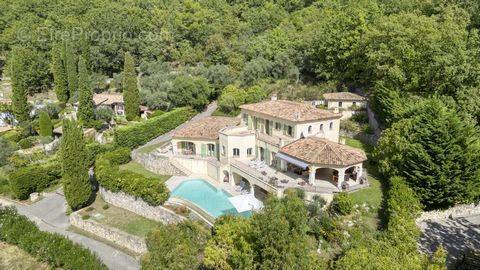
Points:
[(252, 189), (359, 171), (283, 165), (174, 148), (341, 177), (311, 174)]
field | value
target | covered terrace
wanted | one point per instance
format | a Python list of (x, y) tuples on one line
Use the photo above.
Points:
[(323, 163)]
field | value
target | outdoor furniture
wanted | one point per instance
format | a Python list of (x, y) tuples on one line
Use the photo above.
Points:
[(284, 181)]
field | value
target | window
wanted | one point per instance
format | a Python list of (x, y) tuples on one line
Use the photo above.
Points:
[(331, 125), (249, 152), (310, 129), (340, 104), (223, 150), (278, 126), (236, 152), (321, 127), (245, 118), (290, 131), (211, 149)]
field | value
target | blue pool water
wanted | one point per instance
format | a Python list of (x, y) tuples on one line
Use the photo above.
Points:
[(213, 200)]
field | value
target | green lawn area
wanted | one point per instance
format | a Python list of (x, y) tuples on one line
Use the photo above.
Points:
[(150, 148), (119, 218), (138, 168), (13, 258), (371, 195)]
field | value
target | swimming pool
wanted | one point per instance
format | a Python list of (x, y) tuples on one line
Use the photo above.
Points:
[(214, 201)]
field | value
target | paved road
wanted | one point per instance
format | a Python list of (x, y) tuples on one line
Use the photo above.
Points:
[(49, 215), (168, 136), (455, 235)]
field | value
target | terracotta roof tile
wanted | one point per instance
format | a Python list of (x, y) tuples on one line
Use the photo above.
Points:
[(290, 110), (107, 98), (315, 150), (342, 96), (206, 128)]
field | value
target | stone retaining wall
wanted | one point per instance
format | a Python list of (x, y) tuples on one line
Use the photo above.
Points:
[(139, 207), (454, 212), (156, 163), (121, 238)]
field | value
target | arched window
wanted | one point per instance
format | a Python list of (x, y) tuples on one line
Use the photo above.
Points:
[(310, 129), (321, 127), (331, 125), (249, 152), (236, 152)]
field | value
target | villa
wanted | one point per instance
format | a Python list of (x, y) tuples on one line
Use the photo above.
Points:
[(272, 146), (344, 102)]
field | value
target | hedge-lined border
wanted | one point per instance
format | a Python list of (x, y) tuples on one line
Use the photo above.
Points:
[(56, 250), (134, 135), (107, 171)]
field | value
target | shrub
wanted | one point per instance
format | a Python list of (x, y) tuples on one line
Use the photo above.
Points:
[(13, 135), (27, 142), (33, 178), (94, 149), (138, 134), (110, 177), (53, 249), (85, 217), (45, 125), (105, 206), (342, 204)]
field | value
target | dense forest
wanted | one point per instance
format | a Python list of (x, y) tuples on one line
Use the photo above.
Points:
[(296, 48), (418, 61)]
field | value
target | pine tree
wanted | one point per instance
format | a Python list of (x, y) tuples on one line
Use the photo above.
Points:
[(130, 89), (73, 155), (59, 74), (45, 123), (85, 95), (71, 69), (18, 63)]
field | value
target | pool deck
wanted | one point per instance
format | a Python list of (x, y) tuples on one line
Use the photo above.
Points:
[(175, 181)]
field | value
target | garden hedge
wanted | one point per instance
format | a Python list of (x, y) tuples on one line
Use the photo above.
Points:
[(109, 175), (56, 250), (138, 134), (33, 178)]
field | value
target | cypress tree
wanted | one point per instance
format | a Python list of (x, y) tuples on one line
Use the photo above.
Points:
[(18, 64), (130, 89), (71, 69), (85, 95), (45, 123), (73, 155), (85, 50), (59, 74)]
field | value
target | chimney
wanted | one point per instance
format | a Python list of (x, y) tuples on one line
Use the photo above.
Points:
[(273, 97)]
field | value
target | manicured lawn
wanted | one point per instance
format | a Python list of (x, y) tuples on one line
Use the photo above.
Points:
[(13, 258), (150, 148), (119, 218), (138, 168), (371, 195)]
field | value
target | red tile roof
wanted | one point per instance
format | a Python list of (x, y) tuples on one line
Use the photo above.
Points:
[(290, 110), (320, 151)]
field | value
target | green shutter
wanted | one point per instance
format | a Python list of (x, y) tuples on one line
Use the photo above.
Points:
[(217, 150), (256, 153), (267, 156), (204, 150), (249, 122)]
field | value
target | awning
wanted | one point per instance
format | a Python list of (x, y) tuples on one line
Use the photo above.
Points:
[(289, 159), (246, 202)]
